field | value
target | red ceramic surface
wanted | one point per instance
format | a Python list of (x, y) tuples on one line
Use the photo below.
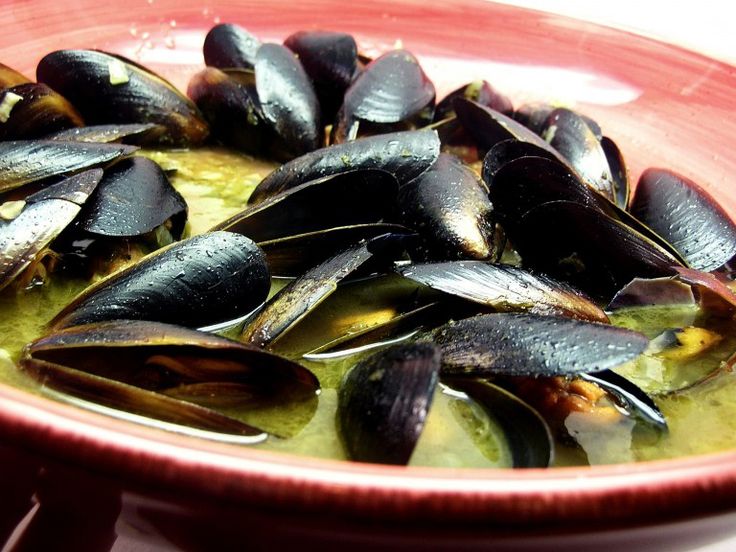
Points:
[(663, 105)]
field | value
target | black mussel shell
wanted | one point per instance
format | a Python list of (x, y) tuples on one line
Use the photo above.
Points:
[(228, 101), (505, 288), (26, 161), (141, 402), (478, 91), (287, 101), (228, 46), (290, 305), (353, 197), (629, 396), (505, 344), (293, 255), (528, 436), (37, 110), (619, 172), (569, 134), (448, 206), (105, 134), (134, 198), (534, 116), (159, 356), (526, 182), (89, 79), (505, 151), (487, 127), (406, 155), (384, 400), (210, 278), (686, 216), (588, 249), (391, 89), (44, 217), (10, 77), (330, 59)]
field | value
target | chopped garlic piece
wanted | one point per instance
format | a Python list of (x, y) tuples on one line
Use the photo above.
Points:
[(7, 105), (11, 209), (118, 72)]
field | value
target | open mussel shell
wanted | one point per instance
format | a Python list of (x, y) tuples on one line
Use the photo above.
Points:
[(384, 400), (110, 89), (392, 89), (330, 59), (528, 436), (44, 217), (488, 126), (619, 172), (629, 396), (505, 288), (105, 134), (10, 77), (291, 256), (228, 45), (588, 249), (37, 110), (570, 135), (686, 216), (26, 161), (478, 91), (406, 155), (134, 198), (210, 278), (95, 390), (287, 101), (448, 206), (230, 106), (295, 301), (159, 356), (353, 197), (505, 344)]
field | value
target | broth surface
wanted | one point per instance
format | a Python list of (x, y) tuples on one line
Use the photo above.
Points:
[(216, 184)]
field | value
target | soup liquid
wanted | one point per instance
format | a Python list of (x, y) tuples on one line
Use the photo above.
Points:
[(216, 184)]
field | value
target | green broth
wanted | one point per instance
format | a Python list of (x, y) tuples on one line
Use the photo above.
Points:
[(217, 183)]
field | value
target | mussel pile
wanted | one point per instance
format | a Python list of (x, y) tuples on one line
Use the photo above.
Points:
[(490, 244)]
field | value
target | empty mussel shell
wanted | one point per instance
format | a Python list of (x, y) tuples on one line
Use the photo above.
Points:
[(36, 111), (505, 288), (228, 45), (210, 278), (111, 89), (44, 217), (134, 198), (686, 216), (528, 436), (448, 206), (406, 155), (157, 409), (384, 400), (505, 344), (159, 356), (392, 89), (26, 161)]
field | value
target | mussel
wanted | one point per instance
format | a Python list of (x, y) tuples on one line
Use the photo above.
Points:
[(229, 46), (106, 88), (210, 278), (35, 112)]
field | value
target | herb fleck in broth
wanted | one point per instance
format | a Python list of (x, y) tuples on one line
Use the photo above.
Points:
[(217, 183)]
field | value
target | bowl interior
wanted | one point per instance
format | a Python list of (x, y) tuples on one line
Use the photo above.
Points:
[(664, 106)]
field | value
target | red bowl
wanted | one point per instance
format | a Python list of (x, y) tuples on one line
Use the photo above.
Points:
[(95, 477)]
